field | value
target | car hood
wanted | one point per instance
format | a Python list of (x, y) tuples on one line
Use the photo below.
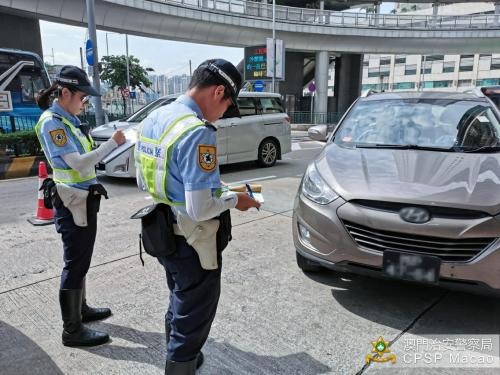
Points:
[(469, 181), (106, 130)]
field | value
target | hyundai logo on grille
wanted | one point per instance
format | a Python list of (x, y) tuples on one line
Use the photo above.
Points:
[(415, 215)]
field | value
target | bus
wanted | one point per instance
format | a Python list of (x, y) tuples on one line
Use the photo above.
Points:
[(22, 76)]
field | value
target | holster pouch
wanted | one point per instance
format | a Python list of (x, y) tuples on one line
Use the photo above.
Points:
[(75, 200), (51, 198), (202, 236), (157, 230), (96, 191)]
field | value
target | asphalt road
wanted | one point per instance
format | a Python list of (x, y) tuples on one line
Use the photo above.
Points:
[(272, 318)]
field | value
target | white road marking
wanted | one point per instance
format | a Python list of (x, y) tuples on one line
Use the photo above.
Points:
[(252, 180)]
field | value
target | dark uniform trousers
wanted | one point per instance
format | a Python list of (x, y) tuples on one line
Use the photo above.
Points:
[(194, 295), (78, 243)]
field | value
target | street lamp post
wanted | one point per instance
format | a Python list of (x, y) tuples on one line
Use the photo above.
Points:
[(128, 70), (95, 65), (274, 45)]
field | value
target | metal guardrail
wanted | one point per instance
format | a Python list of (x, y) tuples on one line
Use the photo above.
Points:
[(342, 19), (329, 118), (10, 124)]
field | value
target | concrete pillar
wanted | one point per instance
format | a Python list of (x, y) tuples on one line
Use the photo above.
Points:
[(497, 11), (435, 12), (322, 8), (376, 14), (348, 75), (264, 9), (321, 81), (293, 83), (20, 33)]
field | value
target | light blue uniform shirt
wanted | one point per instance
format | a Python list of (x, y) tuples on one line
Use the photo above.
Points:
[(52, 151), (183, 170)]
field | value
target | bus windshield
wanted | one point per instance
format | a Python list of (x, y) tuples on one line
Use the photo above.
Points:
[(22, 76)]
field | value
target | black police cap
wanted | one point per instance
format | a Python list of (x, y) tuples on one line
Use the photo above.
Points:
[(75, 77), (229, 77)]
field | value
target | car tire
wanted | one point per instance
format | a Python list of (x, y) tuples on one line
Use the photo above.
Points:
[(307, 265), (268, 153)]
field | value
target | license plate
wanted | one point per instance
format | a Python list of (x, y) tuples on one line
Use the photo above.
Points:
[(413, 267)]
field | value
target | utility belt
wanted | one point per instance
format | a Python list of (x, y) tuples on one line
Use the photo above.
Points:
[(159, 226), (83, 204)]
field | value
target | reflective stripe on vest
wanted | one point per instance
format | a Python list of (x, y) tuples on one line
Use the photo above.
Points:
[(152, 156), (63, 175)]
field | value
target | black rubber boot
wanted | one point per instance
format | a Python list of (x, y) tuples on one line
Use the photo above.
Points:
[(180, 368), (89, 314), (74, 332)]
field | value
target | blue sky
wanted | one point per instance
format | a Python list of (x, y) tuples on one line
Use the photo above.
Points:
[(165, 57)]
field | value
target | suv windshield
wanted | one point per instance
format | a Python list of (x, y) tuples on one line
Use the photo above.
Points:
[(454, 125), (145, 111)]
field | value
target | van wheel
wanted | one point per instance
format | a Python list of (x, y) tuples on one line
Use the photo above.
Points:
[(268, 153), (307, 265)]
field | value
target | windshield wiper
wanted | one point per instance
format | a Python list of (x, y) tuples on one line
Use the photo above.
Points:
[(403, 147), (484, 149)]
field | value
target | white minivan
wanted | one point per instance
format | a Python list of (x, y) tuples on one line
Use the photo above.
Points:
[(262, 133)]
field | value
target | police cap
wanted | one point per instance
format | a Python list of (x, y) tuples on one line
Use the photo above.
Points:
[(229, 77), (76, 78)]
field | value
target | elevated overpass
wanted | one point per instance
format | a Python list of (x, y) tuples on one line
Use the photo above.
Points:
[(239, 23)]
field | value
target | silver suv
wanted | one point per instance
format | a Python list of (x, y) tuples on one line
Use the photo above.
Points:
[(262, 133), (407, 187)]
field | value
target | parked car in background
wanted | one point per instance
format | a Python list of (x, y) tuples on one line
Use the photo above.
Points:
[(407, 187), (262, 133)]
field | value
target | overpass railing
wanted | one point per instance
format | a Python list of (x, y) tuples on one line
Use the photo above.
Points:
[(342, 19)]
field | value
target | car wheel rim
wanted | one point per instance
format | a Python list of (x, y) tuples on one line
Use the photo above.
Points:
[(269, 153)]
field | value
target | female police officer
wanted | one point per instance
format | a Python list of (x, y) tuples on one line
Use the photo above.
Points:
[(68, 148), (176, 158)]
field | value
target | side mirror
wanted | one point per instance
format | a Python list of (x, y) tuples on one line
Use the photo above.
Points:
[(318, 132)]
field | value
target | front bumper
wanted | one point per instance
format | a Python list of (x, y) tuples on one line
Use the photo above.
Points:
[(122, 165), (331, 245)]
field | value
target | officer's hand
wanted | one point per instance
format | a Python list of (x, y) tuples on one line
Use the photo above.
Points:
[(118, 137), (245, 202)]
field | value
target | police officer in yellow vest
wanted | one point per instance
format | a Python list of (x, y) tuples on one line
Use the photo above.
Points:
[(176, 157), (75, 195)]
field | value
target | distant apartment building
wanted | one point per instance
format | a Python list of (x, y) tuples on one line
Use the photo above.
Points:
[(159, 84), (439, 72), (178, 84), (449, 72)]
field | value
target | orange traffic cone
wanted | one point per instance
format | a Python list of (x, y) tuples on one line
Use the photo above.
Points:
[(44, 215)]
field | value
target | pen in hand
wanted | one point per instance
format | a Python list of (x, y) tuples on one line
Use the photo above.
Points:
[(250, 193)]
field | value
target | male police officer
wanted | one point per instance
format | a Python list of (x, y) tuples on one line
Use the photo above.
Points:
[(176, 158)]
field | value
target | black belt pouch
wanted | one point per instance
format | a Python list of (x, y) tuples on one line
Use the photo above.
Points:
[(224, 231), (157, 229)]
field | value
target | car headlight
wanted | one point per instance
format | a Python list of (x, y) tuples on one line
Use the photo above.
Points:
[(315, 188)]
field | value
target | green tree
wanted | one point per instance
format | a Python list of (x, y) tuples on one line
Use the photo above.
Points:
[(114, 72)]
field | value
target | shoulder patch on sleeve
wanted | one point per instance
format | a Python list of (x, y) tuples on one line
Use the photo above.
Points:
[(58, 137), (207, 157)]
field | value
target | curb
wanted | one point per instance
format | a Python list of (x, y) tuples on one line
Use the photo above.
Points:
[(20, 167)]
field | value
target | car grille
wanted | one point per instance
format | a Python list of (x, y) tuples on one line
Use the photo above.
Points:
[(449, 250), (435, 211)]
